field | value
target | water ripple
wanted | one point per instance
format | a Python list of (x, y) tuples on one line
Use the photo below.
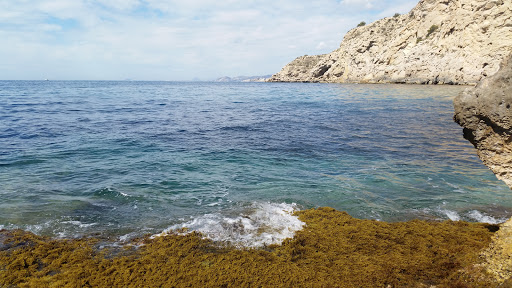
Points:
[(137, 157)]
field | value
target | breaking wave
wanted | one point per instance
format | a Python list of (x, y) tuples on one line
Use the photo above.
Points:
[(473, 215), (259, 225)]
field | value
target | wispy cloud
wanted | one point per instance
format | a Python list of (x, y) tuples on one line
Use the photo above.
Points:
[(171, 40), (368, 4)]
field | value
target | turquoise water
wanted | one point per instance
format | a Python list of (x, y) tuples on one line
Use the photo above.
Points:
[(122, 159)]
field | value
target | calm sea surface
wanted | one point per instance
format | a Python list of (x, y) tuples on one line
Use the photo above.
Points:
[(127, 158)]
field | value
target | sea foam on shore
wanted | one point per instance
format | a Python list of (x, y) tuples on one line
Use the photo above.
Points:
[(335, 250), (258, 225)]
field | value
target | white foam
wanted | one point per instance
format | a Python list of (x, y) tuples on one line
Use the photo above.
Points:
[(126, 237), (480, 217), (262, 224), (452, 215), (473, 215)]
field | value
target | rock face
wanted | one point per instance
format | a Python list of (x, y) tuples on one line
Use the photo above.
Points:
[(438, 42), (485, 112)]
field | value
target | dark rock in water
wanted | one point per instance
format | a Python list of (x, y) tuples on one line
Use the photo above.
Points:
[(485, 112)]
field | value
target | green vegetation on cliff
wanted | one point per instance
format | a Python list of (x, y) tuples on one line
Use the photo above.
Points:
[(333, 250)]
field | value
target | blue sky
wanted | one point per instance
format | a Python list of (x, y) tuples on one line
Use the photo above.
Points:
[(172, 40)]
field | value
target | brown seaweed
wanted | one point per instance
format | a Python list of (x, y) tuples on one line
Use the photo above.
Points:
[(333, 250)]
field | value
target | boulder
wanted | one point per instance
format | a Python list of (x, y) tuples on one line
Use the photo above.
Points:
[(485, 112)]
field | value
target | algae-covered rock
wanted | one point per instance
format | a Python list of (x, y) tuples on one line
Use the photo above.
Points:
[(498, 256), (333, 250)]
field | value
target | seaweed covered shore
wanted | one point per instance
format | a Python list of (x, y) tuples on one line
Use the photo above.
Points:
[(333, 250)]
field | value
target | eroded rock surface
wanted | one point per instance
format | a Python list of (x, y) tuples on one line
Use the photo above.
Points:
[(485, 112), (438, 42)]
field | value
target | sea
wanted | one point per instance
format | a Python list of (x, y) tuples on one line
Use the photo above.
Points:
[(233, 160)]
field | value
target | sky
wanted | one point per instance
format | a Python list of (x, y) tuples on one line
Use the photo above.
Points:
[(172, 40)]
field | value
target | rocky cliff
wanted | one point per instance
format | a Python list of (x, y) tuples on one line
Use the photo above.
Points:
[(437, 42), (485, 112)]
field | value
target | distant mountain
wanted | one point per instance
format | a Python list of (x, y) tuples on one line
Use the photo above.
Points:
[(243, 78)]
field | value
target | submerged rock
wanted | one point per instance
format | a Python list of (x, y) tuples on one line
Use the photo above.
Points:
[(485, 112), (438, 42)]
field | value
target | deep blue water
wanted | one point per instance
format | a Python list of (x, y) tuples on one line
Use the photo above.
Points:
[(117, 158)]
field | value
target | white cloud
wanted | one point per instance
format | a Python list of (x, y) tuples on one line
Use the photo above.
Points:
[(320, 45), (162, 40), (368, 4), (50, 27), (120, 4)]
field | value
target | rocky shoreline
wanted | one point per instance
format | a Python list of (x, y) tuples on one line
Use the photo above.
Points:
[(333, 250), (461, 42), (438, 42), (485, 113)]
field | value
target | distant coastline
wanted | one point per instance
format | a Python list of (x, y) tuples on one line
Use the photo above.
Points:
[(263, 78)]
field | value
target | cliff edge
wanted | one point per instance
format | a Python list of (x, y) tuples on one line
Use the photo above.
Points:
[(437, 42), (485, 112)]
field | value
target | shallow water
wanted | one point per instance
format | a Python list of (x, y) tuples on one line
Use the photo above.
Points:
[(127, 158)]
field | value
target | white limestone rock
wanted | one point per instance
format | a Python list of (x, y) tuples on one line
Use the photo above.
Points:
[(438, 42)]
